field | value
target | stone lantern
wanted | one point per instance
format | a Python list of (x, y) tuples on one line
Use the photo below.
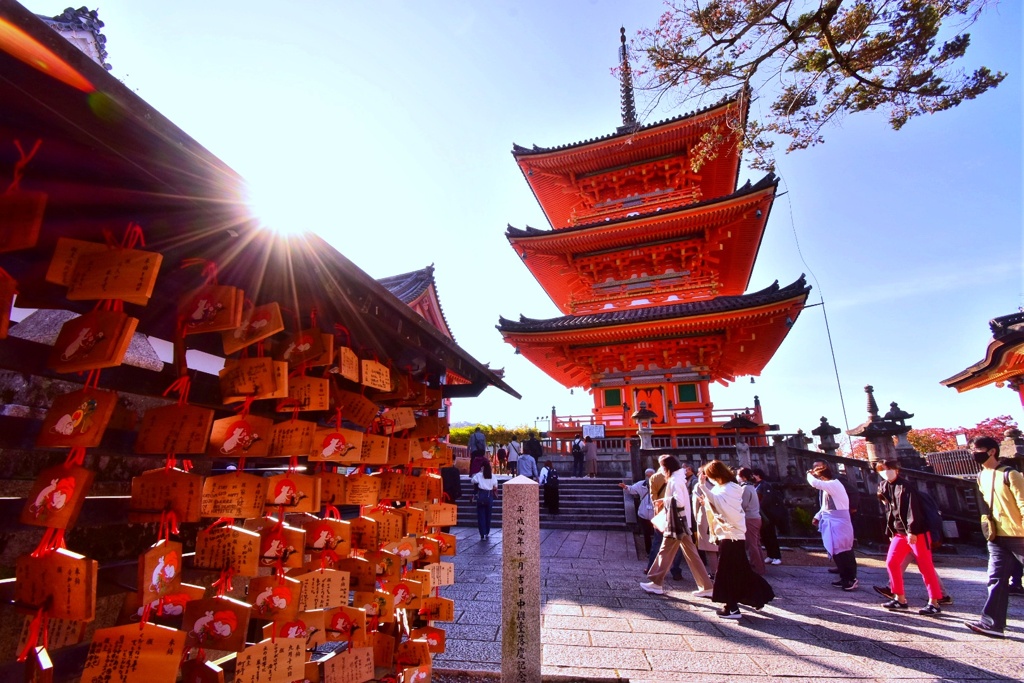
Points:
[(879, 432), (644, 419), (826, 434)]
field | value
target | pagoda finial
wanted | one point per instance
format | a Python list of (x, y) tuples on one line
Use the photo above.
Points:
[(872, 406), (626, 85)]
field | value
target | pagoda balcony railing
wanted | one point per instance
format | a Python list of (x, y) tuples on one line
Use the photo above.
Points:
[(677, 416)]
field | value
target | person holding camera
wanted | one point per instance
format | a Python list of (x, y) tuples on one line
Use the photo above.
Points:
[(834, 522)]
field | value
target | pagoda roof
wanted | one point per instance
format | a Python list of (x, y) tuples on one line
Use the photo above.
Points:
[(724, 233), (723, 337), (1004, 357), (553, 172), (709, 308), (418, 289)]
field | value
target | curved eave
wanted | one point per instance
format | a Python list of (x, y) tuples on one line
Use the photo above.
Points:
[(732, 222), (548, 171), (1004, 360), (558, 344)]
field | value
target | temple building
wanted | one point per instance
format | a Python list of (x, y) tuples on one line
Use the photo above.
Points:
[(649, 261), (1003, 365)]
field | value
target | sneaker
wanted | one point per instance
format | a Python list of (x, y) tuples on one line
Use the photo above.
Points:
[(884, 592), (894, 604), (702, 594), (946, 600), (774, 560), (1016, 590), (851, 586), (652, 587), (726, 614), (984, 630), (929, 610), (838, 584)]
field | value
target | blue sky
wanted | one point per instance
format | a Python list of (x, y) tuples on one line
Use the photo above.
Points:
[(387, 128)]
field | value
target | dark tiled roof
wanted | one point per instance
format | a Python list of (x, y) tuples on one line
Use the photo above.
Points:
[(519, 150), (409, 286), (721, 304), (769, 180)]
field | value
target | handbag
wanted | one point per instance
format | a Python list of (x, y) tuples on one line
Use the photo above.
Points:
[(660, 520)]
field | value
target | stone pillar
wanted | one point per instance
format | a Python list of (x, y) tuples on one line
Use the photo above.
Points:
[(520, 582)]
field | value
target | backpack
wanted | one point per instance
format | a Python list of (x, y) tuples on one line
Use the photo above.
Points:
[(552, 479), (932, 516), (577, 449)]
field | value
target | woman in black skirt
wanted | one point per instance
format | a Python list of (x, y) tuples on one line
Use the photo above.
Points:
[(735, 581)]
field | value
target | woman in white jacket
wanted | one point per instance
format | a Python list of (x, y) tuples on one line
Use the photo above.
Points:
[(735, 581), (676, 503)]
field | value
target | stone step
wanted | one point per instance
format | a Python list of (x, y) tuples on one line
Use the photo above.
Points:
[(589, 504)]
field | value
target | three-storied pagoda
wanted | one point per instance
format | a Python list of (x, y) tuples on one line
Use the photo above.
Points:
[(649, 261)]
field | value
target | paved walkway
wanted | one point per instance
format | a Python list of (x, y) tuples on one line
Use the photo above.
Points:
[(598, 625)]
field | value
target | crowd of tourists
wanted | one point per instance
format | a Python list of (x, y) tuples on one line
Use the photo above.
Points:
[(724, 525)]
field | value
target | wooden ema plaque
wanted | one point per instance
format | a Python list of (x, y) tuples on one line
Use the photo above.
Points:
[(179, 429), (276, 660), (387, 563), (390, 484), (228, 546), (354, 665), (414, 519), (346, 624), (429, 549), (356, 408), (383, 644), (328, 534), (400, 451), (402, 418), (302, 347), (234, 494), (417, 674), (437, 609), (362, 575), (342, 446), (374, 375), (135, 653), (348, 364), (21, 217), (166, 610), (446, 542), (211, 308), (434, 636), (273, 598), (364, 533), (405, 593), (160, 571), (414, 489), (322, 589), (332, 488), (306, 393), (95, 340), (248, 377), (308, 625), (8, 290), (57, 496), (430, 428), (257, 324), (240, 437), (327, 356), (389, 525), (161, 489), (216, 623), (126, 274), (375, 450), (278, 542), (294, 492), (77, 419), (442, 514), (60, 633), (362, 489), (379, 604), (292, 437), (441, 574), (62, 580), (65, 258)]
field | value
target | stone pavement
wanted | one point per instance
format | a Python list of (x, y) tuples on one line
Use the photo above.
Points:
[(597, 624)]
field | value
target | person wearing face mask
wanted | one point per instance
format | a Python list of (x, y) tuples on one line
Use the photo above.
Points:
[(1002, 493), (906, 526)]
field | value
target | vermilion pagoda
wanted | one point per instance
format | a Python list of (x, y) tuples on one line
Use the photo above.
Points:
[(649, 261)]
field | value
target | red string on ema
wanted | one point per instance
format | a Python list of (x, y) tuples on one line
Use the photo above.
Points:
[(224, 583), (19, 166), (37, 632), (209, 271)]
